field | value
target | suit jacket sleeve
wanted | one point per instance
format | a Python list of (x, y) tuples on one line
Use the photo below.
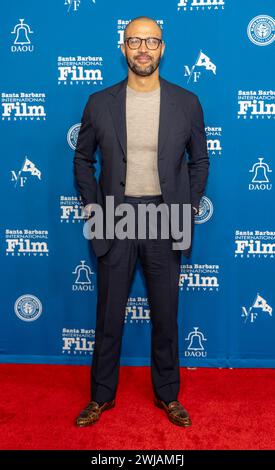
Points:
[(196, 147), (84, 157)]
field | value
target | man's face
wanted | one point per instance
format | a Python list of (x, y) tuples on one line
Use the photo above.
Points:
[(143, 61)]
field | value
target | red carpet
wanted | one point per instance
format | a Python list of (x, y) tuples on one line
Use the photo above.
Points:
[(230, 409)]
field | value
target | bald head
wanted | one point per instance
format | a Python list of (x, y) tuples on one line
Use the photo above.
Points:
[(148, 23)]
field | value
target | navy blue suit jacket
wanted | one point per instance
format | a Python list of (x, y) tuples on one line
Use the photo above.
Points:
[(182, 149)]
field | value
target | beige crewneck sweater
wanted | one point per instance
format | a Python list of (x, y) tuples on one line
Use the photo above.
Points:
[(142, 120)]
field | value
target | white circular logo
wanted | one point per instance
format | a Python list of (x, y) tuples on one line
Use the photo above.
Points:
[(28, 307), (205, 211), (72, 135), (261, 30)]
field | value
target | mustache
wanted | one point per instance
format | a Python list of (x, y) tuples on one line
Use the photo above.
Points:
[(143, 56)]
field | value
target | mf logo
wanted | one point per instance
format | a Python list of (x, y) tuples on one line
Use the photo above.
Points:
[(28, 169), (73, 5), (258, 306), (202, 61)]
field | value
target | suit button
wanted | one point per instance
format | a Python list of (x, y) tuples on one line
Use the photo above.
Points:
[(124, 159), (122, 184)]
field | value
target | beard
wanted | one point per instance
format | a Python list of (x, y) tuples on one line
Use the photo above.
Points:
[(143, 70)]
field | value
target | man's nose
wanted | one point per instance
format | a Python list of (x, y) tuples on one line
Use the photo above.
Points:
[(143, 47)]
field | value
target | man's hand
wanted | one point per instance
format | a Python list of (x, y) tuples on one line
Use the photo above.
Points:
[(86, 211)]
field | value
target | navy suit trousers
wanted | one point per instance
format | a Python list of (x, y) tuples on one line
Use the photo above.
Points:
[(161, 268)]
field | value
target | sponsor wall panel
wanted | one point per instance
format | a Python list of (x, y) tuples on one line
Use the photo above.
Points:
[(54, 56)]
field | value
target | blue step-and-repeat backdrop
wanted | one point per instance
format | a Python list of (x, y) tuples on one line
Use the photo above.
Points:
[(54, 54)]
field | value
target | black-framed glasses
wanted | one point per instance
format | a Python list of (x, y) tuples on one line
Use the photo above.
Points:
[(135, 42)]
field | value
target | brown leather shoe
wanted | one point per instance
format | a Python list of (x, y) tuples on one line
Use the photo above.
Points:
[(175, 411), (91, 413)]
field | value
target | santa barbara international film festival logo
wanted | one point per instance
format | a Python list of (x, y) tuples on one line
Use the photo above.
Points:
[(261, 30), (23, 106), (25, 242), (28, 307), (22, 37), (78, 70), (121, 25), (74, 5), (137, 310), (71, 209), (78, 341), (196, 340), (83, 278), (256, 104), (199, 277), (260, 178), (195, 5), (254, 244), (202, 62), (214, 135), (258, 308), (72, 135), (27, 171)]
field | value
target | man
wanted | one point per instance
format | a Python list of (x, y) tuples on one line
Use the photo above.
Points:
[(142, 125)]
